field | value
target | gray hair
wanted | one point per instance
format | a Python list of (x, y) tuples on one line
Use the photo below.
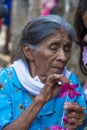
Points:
[(40, 28)]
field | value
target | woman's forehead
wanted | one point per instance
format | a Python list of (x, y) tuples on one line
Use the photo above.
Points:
[(60, 35)]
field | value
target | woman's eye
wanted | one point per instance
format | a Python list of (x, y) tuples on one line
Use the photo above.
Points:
[(68, 48), (53, 47)]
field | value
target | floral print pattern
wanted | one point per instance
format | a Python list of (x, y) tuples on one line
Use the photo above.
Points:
[(14, 99)]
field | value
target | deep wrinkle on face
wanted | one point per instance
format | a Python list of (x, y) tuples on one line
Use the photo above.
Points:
[(52, 55)]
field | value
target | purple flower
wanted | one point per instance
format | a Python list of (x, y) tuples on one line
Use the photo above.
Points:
[(68, 89), (65, 119), (55, 127)]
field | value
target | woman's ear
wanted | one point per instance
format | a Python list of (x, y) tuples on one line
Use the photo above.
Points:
[(27, 52)]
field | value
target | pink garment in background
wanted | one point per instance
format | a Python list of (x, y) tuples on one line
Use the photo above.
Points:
[(46, 11), (85, 62), (47, 6), (85, 55)]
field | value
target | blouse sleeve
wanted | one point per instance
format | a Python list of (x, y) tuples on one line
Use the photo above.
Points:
[(5, 101)]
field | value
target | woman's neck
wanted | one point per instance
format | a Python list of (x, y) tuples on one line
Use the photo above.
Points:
[(33, 72)]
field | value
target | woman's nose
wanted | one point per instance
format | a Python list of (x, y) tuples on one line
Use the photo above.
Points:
[(61, 56)]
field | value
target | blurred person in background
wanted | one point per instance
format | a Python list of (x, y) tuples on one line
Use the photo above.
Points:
[(6, 21), (80, 23), (3, 12)]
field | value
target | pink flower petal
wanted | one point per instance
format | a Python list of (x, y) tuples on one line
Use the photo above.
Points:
[(66, 129), (55, 127), (71, 94), (65, 119), (68, 89), (77, 93), (75, 85), (63, 94), (65, 87)]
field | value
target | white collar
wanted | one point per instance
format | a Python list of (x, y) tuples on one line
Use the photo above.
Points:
[(32, 85)]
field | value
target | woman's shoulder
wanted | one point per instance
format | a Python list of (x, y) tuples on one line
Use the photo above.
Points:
[(74, 78), (8, 79), (5, 79), (8, 75), (73, 75), (6, 71), (70, 75)]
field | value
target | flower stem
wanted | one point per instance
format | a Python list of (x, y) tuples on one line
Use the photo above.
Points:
[(64, 110)]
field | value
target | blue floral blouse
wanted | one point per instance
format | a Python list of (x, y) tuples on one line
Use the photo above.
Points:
[(14, 99)]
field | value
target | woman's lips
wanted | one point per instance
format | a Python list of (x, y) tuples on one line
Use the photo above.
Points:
[(56, 69)]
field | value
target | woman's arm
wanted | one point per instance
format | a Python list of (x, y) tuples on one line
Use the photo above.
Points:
[(27, 117), (50, 90)]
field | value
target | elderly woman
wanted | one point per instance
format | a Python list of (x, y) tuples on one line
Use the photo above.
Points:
[(30, 87)]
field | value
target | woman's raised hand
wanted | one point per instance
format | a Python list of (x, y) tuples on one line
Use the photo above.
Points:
[(51, 88)]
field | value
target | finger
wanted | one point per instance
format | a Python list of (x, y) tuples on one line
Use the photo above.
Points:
[(71, 114), (75, 119), (63, 79), (70, 126), (76, 115), (73, 124), (71, 106), (56, 91), (54, 78)]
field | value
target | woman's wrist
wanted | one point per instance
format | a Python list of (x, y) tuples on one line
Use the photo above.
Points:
[(40, 99)]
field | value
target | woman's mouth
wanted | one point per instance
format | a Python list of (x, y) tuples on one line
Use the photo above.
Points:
[(56, 70)]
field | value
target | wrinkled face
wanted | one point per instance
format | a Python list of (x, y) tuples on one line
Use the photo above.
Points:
[(85, 19), (52, 55)]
